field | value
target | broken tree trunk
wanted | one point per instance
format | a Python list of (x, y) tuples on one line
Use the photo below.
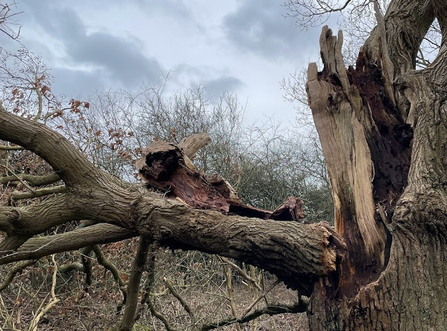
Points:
[(383, 129), (168, 168)]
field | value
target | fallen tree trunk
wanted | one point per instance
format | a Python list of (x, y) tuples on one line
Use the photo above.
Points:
[(298, 253)]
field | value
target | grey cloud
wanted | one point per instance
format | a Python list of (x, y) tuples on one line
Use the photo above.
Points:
[(217, 87), (260, 26), (206, 77), (76, 83), (56, 20), (120, 59), (170, 7), (175, 8)]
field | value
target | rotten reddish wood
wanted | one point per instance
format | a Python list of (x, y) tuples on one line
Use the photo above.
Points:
[(165, 166)]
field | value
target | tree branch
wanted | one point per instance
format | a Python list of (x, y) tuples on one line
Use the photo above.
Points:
[(54, 300), (133, 287), (66, 268), (11, 242), (38, 193), (150, 283), (18, 268), (102, 260), (5, 18), (180, 299), (160, 316), (11, 148), (69, 163), (38, 247), (87, 266), (259, 298), (297, 253), (241, 272), (34, 219), (272, 309), (31, 179)]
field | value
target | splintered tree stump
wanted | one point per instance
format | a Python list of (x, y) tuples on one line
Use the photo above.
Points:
[(168, 168)]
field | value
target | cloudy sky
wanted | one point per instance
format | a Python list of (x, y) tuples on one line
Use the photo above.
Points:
[(243, 46)]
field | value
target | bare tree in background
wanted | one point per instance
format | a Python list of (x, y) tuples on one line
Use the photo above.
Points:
[(7, 13)]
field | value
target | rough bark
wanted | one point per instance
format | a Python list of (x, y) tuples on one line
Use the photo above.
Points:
[(298, 253), (383, 128)]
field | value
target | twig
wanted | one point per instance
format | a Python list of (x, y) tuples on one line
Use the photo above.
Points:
[(242, 272), (5, 17), (230, 294), (271, 310), (260, 298), (11, 148), (180, 299), (17, 177), (53, 301), (158, 315), (14, 271)]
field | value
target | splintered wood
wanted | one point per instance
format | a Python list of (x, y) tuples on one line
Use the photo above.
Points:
[(168, 167)]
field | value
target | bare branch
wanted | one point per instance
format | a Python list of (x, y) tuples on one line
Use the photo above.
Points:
[(66, 268), (272, 309), (18, 268), (180, 299), (66, 160), (242, 273), (297, 253), (16, 177), (38, 247), (102, 260), (133, 288), (229, 286), (259, 298), (294, 251), (11, 242), (87, 264), (11, 148), (31, 179), (191, 144), (6, 14), (38, 193), (150, 283), (160, 316), (311, 13), (54, 300), (54, 211)]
